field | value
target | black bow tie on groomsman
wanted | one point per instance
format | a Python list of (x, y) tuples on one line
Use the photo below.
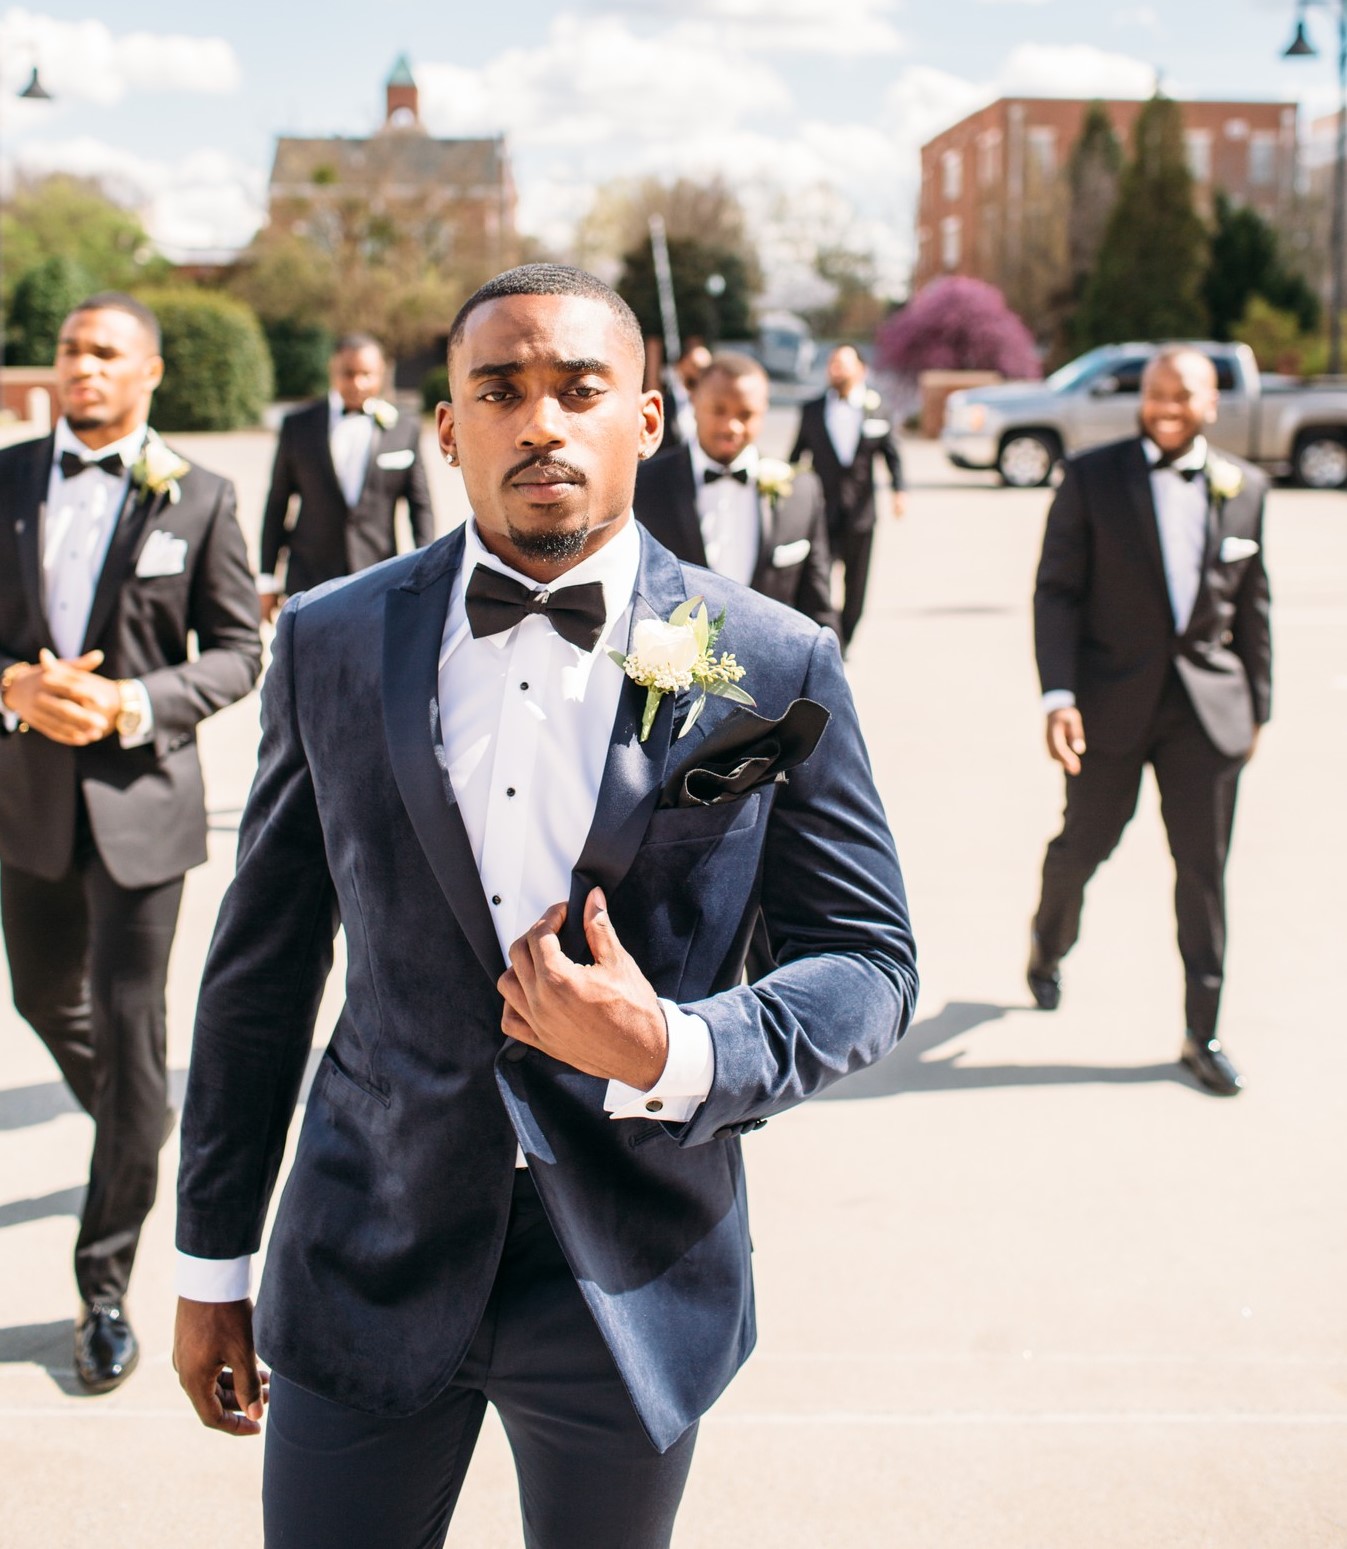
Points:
[(496, 602), (710, 475), (72, 464), (1167, 464)]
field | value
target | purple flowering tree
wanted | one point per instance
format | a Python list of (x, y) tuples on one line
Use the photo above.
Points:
[(957, 324)]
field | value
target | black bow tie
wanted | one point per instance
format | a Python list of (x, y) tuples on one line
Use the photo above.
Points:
[(710, 475), (1168, 463), (359, 409), (72, 464), (496, 603)]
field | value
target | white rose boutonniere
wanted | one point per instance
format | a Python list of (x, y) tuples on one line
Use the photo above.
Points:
[(384, 415), (775, 479), (157, 470), (872, 402), (1224, 479), (671, 657)]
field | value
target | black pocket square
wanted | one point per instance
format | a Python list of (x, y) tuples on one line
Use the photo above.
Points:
[(744, 752)]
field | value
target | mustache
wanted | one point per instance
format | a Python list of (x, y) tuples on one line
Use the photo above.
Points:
[(550, 465)]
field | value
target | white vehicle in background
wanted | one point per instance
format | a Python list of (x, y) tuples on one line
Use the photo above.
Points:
[(785, 346), (1024, 429)]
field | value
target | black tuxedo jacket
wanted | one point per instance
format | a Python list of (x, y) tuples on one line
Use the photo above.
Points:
[(850, 490), (389, 1234), (794, 563), (1103, 622), (146, 807), (330, 538)]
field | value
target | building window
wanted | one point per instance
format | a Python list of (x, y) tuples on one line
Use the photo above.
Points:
[(1043, 152), (951, 242), (952, 167), (1199, 154), (989, 158), (1263, 158), (1237, 129)]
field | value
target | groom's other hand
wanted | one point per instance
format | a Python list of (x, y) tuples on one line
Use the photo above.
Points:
[(217, 1366), (1066, 738), (604, 1018)]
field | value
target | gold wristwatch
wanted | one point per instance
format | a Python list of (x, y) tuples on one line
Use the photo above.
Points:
[(6, 679), (131, 716)]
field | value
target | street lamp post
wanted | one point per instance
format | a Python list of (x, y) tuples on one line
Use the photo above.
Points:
[(1302, 48)]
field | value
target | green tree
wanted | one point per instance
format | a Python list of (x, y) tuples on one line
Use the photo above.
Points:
[(857, 309), (69, 217), (1147, 283), (43, 298), (727, 315), (1093, 176), (217, 372), (1246, 262)]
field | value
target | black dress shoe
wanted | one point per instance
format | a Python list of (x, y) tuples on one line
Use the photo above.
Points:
[(1212, 1066), (1046, 988), (106, 1348)]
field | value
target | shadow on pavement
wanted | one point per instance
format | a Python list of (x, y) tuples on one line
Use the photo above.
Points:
[(62, 1202), (48, 1345), (22, 1106), (908, 1070)]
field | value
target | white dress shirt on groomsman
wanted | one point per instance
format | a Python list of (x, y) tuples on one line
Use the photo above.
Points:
[(113, 552)]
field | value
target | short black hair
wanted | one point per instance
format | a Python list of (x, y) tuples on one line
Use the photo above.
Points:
[(119, 301), (734, 364), (355, 341), (550, 280)]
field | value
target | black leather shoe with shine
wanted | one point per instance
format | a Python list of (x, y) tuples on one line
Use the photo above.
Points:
[(1212, 1066), (106, 1348)]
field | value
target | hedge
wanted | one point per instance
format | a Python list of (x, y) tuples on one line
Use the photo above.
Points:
[(217, 369)]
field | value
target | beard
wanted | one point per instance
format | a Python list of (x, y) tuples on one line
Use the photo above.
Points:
[(78, 422), (550, 545)]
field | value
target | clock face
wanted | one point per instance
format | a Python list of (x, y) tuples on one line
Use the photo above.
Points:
[(402, 118)]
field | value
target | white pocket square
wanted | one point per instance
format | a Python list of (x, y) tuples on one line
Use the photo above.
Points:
[(403, 459), (787, 554), (1237, 548), (163, 554), (876, 427)]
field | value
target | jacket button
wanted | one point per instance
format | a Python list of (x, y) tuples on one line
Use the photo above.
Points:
[(516, 1052), (654, 1106)]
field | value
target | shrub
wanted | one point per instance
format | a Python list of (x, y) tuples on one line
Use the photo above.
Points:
[(957, 324), (43, 299), (299, 357), (435, 388), (217, 371)]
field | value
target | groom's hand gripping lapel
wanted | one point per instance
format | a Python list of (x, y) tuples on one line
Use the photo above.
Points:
[(603, 1019)]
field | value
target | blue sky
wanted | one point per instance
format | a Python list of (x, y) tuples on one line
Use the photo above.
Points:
[(815, 108)]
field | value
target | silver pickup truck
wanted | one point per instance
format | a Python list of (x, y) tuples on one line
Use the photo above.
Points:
[(1023, 429)]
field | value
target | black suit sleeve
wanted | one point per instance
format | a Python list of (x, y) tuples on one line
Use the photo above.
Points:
[(815, 598), (222, 613), (1059, 593), (893, 459), (1252, 629), (801, 440), (420, 512), (283, 486)]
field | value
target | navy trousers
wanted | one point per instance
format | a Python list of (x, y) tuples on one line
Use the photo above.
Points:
[(589, 1478)]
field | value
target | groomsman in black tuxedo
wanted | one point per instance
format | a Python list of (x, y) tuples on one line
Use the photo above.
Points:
[(844, 432), (1151, 624), (715, 501), (349, 457), (678, 383), (113, 552)]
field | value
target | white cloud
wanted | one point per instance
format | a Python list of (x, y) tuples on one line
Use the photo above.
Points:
[(1073, 70), (1144, 16), (845, 27), (85, 61)]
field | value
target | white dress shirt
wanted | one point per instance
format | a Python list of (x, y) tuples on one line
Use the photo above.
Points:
[(78, 521), (350, 438), (1181, 510), (730, 515), (526, 720), (843, 419)]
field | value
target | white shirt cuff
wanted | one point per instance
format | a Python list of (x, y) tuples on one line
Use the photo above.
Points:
[(145, 731), (1058, 699), (268, 586), (11, 721), (214, 1280), (685, 1081)]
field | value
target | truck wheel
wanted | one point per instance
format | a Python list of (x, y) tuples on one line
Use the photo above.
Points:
[(1027, 458), (1320, 460)]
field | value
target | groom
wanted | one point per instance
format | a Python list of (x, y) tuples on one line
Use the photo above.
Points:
[(518, 1179)]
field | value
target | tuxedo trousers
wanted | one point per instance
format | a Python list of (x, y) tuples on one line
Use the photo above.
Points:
[(852, 547), (88, 961), (1198, 785), (589, 1478)]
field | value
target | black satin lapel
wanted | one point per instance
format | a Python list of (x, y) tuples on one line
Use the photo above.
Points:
[(322, 427), (31, 503), (1137, 482), (687, 516), (633, 772), (413, 631), (375, 447), (136, 509)]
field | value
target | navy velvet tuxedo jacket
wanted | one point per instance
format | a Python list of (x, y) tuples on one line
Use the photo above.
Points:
[(1104, 623), (391, 1225)]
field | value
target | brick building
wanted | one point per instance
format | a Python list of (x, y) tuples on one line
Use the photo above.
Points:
[(993, 200)]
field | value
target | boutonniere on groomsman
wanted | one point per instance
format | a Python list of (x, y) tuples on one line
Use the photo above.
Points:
[(845, 432), (127, 615), (345, 463)]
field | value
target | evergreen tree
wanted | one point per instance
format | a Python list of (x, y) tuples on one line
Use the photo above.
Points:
[(1246, 262), (1093, 176), (728, 315), (44, 297), (1148, 281)]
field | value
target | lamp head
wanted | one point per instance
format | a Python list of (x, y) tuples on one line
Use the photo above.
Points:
[(1300, 46), (35, 91)]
